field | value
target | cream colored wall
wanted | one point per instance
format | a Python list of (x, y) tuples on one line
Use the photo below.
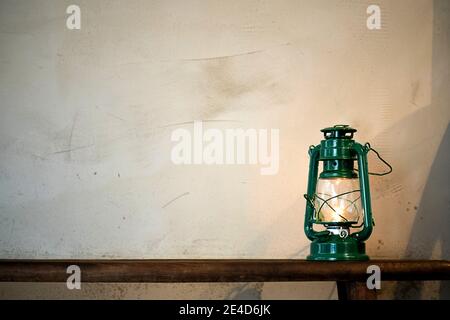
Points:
[(86, 119)]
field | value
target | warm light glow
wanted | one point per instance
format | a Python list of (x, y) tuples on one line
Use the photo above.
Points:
[(338, 200)]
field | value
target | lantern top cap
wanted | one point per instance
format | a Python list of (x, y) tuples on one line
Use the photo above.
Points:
[(341, 131)]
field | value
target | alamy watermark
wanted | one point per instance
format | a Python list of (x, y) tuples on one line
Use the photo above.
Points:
[(373, 22), (374, 280), (74, 280), (73, 21), (227, 147)]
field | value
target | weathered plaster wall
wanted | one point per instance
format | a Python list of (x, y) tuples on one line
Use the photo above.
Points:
[(86, 119)]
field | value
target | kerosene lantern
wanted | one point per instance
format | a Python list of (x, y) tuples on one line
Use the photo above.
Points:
[(338, 201)]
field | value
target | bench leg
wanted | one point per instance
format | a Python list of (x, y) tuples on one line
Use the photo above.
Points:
[(354, 290)]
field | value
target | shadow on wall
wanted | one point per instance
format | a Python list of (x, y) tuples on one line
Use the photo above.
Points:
[(432, 219), (430, 228)]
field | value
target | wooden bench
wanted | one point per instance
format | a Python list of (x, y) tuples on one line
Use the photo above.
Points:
[(351, 276)]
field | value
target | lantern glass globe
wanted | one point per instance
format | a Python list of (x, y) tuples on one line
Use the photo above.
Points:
[(338, 200)]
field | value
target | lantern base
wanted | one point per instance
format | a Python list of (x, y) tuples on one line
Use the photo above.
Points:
[(334, 248)]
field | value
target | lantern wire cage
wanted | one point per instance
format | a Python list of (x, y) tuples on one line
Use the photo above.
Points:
[(326, 202), (340, 197), (351, 202)]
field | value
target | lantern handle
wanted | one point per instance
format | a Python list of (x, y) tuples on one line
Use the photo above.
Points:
[(369, 148)]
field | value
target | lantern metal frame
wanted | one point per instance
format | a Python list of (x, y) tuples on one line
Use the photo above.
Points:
[(338, 152)]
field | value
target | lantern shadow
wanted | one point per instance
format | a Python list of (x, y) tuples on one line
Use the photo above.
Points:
[(430, 227), (429, 237)]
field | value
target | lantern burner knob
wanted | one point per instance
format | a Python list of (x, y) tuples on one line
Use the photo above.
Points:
[(342, 232)]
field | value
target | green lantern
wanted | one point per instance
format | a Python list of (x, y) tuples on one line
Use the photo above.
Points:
[(339, 198)]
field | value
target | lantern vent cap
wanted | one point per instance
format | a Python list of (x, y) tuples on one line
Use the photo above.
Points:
[(339, 131)]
